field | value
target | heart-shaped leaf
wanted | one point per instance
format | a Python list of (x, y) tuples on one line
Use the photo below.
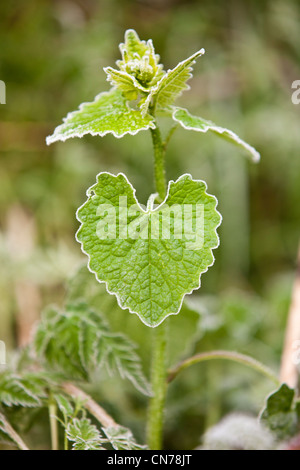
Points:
[(149, 257)]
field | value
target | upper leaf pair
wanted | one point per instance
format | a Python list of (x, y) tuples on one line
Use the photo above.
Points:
[(140, 89)]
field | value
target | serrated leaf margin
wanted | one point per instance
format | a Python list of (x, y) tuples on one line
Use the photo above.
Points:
[(142, 209), (50, 138), (211, 126)]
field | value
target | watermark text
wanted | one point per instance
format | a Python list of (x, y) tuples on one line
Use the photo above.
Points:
[(2, 353), (2, 92), (176, 222), (296, 94)]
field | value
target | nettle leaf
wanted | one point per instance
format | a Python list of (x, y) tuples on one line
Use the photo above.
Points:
[(281, 413), (139, 60), (109, 113), (84, 435), (198, 124), (174, 81), (149, 258), (78, 340), (139, 70), (129, 86), (132, 48)]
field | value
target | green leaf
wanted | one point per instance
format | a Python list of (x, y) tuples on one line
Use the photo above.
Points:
[(139, 70), (140, 61), (121, 438), (119, 354), (58, 341), (84, 435), (173, 83), (65, 406), (133, 45), (129, 86), (195, 123), (281, 414), (149, 258), (26, 390), (77, 341), (109, 113), (184, 328)]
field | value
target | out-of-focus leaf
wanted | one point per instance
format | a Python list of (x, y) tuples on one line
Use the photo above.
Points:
[(281, 413), (28, 389), (77, 341)]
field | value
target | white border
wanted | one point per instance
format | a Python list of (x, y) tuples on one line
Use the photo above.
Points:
[(189, 68), (50, 139), (210, 126), (134, 192)]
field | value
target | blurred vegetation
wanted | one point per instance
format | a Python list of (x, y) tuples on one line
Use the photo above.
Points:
[(51, 58)]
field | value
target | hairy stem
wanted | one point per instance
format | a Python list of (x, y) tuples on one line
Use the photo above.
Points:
[(9, 430), (159, 384), (228, 355), (170, 134), (159, 163), (158, 369)]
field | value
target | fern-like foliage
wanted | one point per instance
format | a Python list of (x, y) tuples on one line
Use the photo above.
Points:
[(28, 389), (77, 340), (84, 435), (121, 438)]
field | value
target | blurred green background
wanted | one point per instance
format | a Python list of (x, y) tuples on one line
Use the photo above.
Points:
[(52, 54)]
